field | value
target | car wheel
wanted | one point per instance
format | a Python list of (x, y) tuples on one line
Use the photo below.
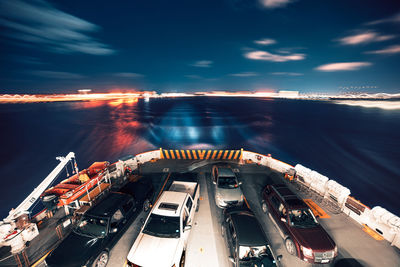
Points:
[(198, 204), (146, 205), (101, 260), (182, 261), (290, 246), (264, 207)]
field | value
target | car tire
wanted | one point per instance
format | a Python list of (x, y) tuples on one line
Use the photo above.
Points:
[(101, 260), (146, 205), (264, 207), (198, 205), (182, 261), (290, 247)]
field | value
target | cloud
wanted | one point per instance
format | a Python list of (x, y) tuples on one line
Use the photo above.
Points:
[(274, 3), (41, 24), (265, 41), (287, 73), (392, 19), (202, 64), (365, 37), (263, 55), (128, 75), (394, 49), (244, 74), (56, 74), (343, 66)]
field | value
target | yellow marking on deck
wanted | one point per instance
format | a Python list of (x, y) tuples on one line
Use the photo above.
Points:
[(194, 154), (208, 154), (213, 155), (316, 209), (201, 250), (166, 154), (41, 259), (125, 263), (372, 233), (245, 201), (201, 153), (201, 198), (177, 154)]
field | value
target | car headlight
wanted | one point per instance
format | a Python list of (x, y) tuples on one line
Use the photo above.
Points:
[(307, 251)]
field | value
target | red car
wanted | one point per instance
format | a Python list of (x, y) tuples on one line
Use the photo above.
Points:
[(303, 235)]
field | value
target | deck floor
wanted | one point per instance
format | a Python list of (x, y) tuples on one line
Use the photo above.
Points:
[(206, 246)]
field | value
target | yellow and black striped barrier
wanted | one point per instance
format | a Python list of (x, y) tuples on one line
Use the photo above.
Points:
[(192, 154)]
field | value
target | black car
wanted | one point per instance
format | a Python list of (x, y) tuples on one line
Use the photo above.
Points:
[(248, 245), (98, 230)]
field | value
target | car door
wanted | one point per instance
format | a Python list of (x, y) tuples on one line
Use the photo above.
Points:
[(232, 239), (189, 207), (184, 223)]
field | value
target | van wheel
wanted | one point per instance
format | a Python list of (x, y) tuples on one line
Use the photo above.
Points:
[(290, 246), (198, 204), (146, 205), (264, 207), (101, 260), (182, 261)]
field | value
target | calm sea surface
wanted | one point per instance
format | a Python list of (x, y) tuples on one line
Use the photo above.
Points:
[(358, 147)]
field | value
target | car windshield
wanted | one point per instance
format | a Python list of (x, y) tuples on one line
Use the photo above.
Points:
[(256, 256), (162, 226), (227, 182), (92, 226), (302, 218)]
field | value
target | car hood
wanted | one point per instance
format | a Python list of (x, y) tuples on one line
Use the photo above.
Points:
[(231, 194), (315, 238), (74, 250), (153, 251)]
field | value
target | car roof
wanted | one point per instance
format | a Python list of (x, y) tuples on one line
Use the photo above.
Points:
[(291, 199), (225, 171), (108, 205), (170, 203), (248, 230)]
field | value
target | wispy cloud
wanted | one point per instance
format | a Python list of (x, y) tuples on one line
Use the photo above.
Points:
[(263, 55), (394, 49), (274, 3), (265, 41), (365, 37), (41, 24), (128, 75), (343, 66), (56, 74), (392, 19), (244, 74), (287, 73), (202, 64)]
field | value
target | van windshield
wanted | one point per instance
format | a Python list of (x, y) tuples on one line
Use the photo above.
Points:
[(162, 226), (227, 182), (302, 218)]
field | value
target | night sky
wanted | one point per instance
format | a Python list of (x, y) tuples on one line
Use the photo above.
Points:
[(185, 46)]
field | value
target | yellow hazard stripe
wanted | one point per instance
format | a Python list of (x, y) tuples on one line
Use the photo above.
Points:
[(213, 155), (236, 154), (372, 233), (194, 154), (177, 154), (183, 154), (316, 209), (166, 154), (41, 259)]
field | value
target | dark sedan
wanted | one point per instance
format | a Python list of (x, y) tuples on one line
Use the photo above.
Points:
[(98, 231), (246, 240)]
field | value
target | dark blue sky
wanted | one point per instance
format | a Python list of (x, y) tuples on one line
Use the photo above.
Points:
[(174, 46)]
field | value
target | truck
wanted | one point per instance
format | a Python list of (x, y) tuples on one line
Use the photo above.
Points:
[(163, 238)]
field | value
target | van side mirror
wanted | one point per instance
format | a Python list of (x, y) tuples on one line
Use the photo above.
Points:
[(240, 183), (283, 219), (214, 182), (231, 259), (187, 227), (114, 230), (279, 258)]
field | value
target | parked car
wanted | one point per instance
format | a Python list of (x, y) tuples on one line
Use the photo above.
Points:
[(163, 238), (297, 225), (248, 245), (227, 187), (99, 229)]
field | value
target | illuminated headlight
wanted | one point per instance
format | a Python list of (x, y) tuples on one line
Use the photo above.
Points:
[(307, 251)]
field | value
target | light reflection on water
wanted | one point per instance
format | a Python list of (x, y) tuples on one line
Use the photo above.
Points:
[(357, 147)]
